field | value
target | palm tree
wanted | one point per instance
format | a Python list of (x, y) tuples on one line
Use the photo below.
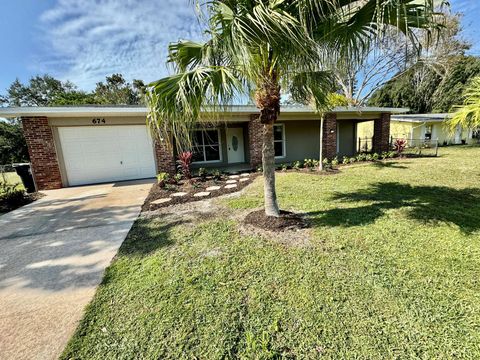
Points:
[(259, 48), (467, 116)]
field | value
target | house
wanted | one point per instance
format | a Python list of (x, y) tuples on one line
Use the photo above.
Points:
[(423, 127), (72, 146)]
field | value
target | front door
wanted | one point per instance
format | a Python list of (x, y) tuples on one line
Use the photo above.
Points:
[(235, 150)]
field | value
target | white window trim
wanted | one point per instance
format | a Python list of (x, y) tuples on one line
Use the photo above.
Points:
[(284, 142), (203, 146)]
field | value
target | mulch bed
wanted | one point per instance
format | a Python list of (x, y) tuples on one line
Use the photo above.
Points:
[(286, 221), (191, 187), (13, 204)]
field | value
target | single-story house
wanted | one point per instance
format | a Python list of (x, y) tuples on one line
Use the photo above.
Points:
[(72, 146), (423, 127)]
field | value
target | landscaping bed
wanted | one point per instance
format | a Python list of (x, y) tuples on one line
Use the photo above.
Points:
[(12, 201), (194, 189)]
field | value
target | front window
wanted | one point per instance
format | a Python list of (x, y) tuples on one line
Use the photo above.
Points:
[(428, 132), (279, 140), (206, 146)]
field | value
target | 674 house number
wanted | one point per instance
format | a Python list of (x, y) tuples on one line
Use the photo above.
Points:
[(98, 121)]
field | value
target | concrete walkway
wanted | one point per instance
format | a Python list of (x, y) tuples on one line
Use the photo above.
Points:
[(53, 253)]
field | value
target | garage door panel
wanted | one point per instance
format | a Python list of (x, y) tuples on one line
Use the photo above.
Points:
[(107, 153)]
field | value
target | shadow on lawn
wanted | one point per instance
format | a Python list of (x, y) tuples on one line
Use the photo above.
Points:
[(389, 165), (430, 204)]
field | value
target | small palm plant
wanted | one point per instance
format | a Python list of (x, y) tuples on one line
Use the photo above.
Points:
[(257, 48), (467, 116)]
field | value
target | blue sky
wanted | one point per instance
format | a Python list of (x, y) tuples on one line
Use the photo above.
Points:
[(85, 40)]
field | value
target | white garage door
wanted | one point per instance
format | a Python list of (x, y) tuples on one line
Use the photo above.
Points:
[(106, 153)]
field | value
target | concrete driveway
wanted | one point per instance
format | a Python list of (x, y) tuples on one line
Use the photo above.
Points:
[(53, 253)]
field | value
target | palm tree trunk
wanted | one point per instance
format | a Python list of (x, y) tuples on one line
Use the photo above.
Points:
[(268, 160)]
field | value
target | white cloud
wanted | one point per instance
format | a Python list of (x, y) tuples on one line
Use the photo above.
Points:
[(89, 39)]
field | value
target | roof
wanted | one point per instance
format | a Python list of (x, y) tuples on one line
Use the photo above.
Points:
[(420, 118), (119, 111)]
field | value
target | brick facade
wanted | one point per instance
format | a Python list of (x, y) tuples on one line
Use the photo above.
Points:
[(381, 133), (165, 157), (330, 136), (43, 156), (255, 132)]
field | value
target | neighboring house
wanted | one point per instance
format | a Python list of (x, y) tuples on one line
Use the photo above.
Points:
[(71, 146), (414, 127)]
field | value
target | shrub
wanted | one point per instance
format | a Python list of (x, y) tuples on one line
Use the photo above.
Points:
[(260, 168), (368, 157), (361, 157), (392, 154), (308, 163), (177, 178), (296, 165), (345, 160), (202, 173), (284, 167), (315, 163), (375, 156), (326, 164), (335, 161), (162, 179), (217, 175), (399, 145), (11, 197), (352, 160), (384, 155), (184, 162)]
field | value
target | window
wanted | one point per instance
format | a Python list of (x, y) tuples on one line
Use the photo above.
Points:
[(428, 132), (279, 140), (206, 146)]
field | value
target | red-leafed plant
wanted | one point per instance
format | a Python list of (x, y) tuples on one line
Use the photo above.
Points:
[(399, 145), (184, 161)]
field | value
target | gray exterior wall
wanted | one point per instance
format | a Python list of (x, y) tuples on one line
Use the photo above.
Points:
[(302, 140)]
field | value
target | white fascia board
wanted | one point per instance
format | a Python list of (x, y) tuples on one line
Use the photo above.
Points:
[(117, 111)]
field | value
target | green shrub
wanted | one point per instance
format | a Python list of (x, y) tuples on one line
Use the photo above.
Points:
[(384, 155), (335, 161), (361, 157), (260, 168), (345, 160), (296, 165), (308, 163), (315, 163), (326, 164), (202, 173), (163, 178), (178, 177), (368, 157), (284, 167), (392, 154), (217, 174), (11, 197), (352, 160), (375, 156)]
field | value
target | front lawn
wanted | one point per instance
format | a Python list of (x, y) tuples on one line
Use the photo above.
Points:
[(391, 270)]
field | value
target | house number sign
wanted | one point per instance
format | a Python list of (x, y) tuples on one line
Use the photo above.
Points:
[(98, 121)]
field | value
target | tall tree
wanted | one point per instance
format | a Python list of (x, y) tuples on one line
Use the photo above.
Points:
[(264, 45), (434, 53), (13, 147), (117, 91)]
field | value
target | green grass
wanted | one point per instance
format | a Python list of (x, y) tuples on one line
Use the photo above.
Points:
[(392, 271), (12, 178)]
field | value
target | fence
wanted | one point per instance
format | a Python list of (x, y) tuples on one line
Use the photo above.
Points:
[(417, 147), (364, 145)]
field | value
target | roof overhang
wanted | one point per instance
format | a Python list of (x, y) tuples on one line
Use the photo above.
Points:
[(134, 111), (421, 118)]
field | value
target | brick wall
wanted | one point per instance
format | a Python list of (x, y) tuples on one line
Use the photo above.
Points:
[(330, 136), (165, 157), (381, 133), (255, 132), (43, 156)]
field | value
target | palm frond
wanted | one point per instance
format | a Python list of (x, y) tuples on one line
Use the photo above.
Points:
[(467, 116), (175, 102)]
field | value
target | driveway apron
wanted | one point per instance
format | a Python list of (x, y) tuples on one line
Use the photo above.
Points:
[(53, 253)]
